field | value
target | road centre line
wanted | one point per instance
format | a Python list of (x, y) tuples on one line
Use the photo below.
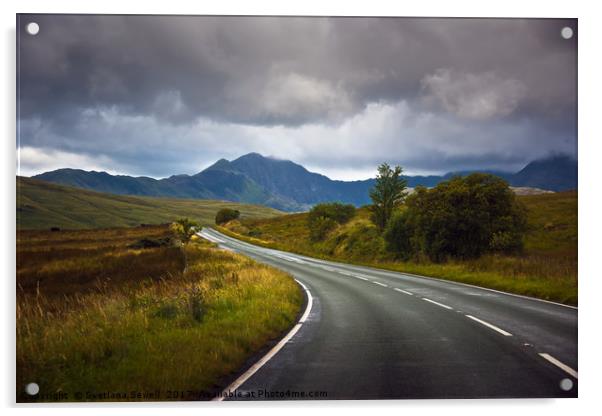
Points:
[(438, 304), (559, 364), (403, 291), (380, 284), (491, 326)]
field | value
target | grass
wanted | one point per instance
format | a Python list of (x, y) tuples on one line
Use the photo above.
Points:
[(547, 269), (41, 205), (140, 322)]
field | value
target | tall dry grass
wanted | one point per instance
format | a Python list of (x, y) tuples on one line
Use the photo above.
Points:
[(169, 337)]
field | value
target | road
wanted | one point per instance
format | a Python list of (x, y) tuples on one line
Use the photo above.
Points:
[(375, 334)]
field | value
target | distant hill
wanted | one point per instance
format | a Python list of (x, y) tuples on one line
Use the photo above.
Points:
[(44, 205), (558, 173), (288, 186)]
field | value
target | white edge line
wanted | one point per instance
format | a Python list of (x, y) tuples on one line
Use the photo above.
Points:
[(271, 353), (491, 326), (403, 291), (438, 304), (559, 364), (386, 271), (310, 303)]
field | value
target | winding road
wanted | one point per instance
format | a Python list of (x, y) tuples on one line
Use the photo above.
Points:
[(374, 334)]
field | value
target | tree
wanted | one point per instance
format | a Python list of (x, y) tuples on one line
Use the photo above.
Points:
[(225, 215), (184, 228), (387, 194)]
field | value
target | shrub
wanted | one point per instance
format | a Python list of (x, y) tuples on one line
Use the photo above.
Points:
[(398, 235), (461, 218), (341, 213), (323, 218), (225, 215), (320, 227)]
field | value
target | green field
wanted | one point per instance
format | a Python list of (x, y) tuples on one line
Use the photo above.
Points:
[(96, 315), (547, 268), (41, 205)]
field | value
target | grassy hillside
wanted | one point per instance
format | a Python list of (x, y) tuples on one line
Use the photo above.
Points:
[(547, 268), (41, 205), (95, 314)]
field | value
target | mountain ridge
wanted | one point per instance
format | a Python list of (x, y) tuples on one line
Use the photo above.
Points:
[(288, 186)]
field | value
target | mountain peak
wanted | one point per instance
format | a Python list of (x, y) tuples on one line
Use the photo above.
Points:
[(220, 164), (253, 155), (257, 157)]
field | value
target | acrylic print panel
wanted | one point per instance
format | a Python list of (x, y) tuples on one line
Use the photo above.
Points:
[(295, 208)]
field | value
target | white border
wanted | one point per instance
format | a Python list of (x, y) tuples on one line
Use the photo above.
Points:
[(590, 221)]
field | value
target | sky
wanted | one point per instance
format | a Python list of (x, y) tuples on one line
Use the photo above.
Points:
[(163, 95)]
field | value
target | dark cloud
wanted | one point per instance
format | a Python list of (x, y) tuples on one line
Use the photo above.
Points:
[(140, 90)]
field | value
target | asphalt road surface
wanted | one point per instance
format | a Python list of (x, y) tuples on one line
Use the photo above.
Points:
[(375, 334)]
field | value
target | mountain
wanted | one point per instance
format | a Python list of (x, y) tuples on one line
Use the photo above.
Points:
[(292, 181), (209, 184), (288, 186), (557, 173)]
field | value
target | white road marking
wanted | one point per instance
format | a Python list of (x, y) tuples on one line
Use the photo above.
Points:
[(491, 326), (271, 353), (310, 303), (437, 303), (403, 291), (559, 364), (289, 258), (380, 284), (360, 277)]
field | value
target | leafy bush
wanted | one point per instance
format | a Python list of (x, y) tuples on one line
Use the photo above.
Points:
[(341, 213), (398, 235), (323, 218), (320, 227), (461, 218), (225, 215)]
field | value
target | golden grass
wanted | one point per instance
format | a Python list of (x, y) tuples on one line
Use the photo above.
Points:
[(170, 336)]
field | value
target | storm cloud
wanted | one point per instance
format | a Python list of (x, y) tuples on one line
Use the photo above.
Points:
[(163, 95)]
